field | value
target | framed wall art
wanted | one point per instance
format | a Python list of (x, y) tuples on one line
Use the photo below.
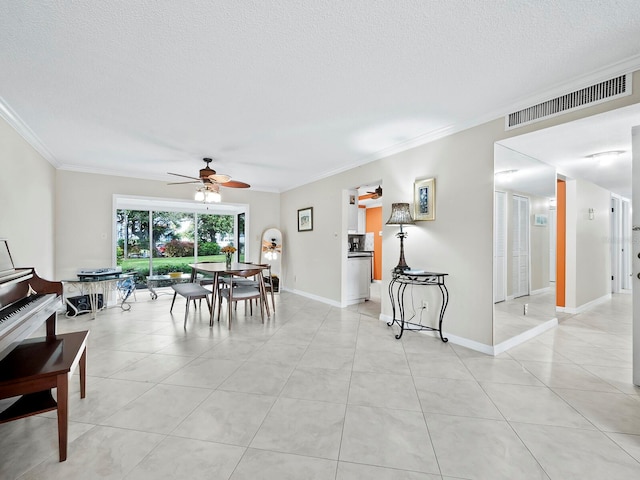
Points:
[(540, 220), (305, 219), (424, 199)]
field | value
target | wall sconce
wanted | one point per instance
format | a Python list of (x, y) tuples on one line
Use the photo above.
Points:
[(591, 214), (401, 215)]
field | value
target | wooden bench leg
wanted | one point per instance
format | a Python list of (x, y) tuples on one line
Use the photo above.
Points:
[(63, 413), (83, 373)]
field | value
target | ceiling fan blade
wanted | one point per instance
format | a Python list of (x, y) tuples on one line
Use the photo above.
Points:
[(220, 178), (185, 176), (183, 183), (235, 184)]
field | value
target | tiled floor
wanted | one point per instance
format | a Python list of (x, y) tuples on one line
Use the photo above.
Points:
[(322, 393)]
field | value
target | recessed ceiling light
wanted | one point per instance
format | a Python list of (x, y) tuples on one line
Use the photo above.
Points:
[(506, 175), (605, 158)]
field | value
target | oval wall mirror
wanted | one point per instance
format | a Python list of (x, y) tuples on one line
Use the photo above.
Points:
[(271, 253)]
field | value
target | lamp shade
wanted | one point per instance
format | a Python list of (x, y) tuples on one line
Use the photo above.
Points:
[(400, 215)]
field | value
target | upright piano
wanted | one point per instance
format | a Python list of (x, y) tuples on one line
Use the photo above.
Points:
[(26, 302), (31, 367)]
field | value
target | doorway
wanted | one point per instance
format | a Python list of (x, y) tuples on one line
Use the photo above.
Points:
[(520, 246)]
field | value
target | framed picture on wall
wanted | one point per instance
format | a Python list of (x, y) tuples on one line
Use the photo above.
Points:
[(540, 220), (305, 219), (424, 199)]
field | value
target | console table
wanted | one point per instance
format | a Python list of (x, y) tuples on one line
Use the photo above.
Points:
[(397, 287), (94, 286)]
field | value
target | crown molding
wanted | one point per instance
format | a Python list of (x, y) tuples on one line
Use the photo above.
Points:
[(13, 119)]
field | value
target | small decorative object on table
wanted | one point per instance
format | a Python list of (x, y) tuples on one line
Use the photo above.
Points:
[(228, 251)]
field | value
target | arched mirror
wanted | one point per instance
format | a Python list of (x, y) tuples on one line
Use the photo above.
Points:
[(271, 253), (524, 244)]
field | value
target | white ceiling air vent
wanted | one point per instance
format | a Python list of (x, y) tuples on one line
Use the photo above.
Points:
[(585, 97)]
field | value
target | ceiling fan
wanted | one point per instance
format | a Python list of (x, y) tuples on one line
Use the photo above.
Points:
[(209, 177), (210, 181), (377, 193)]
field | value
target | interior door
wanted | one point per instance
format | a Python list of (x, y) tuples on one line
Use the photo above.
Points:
[(520, 217), (500, 247)]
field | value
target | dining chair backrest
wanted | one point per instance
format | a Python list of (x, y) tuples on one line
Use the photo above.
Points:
[(238, 291), (251, 272)]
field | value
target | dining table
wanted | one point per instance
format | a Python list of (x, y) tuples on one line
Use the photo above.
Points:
[(215, 269)]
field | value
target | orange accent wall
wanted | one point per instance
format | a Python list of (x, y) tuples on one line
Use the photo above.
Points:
[(374, 224), (561, 242)]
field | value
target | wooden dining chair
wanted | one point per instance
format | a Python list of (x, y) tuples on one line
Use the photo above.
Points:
[(236, 291), (269, 286)]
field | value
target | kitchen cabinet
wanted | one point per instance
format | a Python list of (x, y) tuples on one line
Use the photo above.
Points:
[(358, 278)]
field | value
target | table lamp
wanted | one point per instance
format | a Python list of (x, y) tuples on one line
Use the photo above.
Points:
[(401, 215)]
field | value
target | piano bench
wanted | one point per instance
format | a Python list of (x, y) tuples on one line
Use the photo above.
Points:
[(36, 366)]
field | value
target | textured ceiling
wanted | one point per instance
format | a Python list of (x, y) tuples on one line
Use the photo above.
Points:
[(283, 92)]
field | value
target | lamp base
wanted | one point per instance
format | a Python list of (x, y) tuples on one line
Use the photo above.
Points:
[(400, 268)]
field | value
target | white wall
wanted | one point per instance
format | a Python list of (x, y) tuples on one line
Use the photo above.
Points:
[(27, 193), (588, 257), (458, 242), (84, 206)]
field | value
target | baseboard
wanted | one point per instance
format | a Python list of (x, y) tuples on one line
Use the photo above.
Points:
[(586, 306), (463, 342), (484, 348), (328, 301), (524, 336), (541, 290)]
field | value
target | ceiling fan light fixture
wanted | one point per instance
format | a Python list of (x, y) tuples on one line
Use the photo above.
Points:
[(212, 197), (199, 196)]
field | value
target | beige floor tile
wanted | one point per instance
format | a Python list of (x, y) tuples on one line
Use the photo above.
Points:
[(226, 417), (282, 466), (355, 471), (176, 458), (159, 410), (572, 453), (302, 427), (610, 412), (387, 438), (383, 390), (455, 397), (539, 405), (102, 452), (481, 449), (326, 385)]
